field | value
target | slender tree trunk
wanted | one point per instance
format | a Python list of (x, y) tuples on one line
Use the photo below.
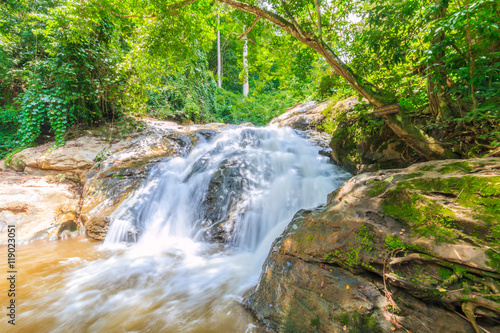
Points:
[(471, 57), (219, 61), (246, 87), (436, 103)]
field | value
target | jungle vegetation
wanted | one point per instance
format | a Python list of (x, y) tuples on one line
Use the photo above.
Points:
[(77, 63)]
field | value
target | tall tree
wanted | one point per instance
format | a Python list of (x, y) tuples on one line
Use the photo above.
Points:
[(295, 19), (219, 59), (246, 86)]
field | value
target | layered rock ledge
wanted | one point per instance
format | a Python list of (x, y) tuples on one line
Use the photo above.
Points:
[(410, 250), (45, 191)]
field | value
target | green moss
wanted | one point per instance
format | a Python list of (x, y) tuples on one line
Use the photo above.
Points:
[(395, 243), (444, 273), (495, 231), (422, 214), (358, 323), (314, 322), (364, 237), (480, 194), (409, 203), (454, 167), (378, 188), (494, 259), (428, 167), (412, 175)]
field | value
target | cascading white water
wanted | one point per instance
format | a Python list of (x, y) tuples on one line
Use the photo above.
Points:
[(202, 226)]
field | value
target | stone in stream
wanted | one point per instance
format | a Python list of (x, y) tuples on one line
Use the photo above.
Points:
[(432, 230)]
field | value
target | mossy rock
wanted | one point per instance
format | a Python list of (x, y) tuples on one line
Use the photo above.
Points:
[(428, 235)]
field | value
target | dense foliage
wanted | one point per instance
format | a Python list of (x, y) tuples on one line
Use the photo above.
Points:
[(70, 63)]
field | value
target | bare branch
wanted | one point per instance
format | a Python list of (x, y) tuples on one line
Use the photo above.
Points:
[(249, 28)]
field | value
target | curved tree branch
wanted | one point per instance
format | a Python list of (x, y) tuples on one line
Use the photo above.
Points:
[(249, 28)]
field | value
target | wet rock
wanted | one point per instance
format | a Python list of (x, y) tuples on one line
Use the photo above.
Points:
[(122, 171), (223, 202), (414, 246), (306, 119), (36, 205), (302, 116)]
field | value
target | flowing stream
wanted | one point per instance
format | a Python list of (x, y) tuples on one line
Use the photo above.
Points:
[(182, 251)]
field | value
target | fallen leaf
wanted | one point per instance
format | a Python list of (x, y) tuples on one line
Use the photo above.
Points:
[(322, 283), (347, 287), (393, 328), (442, 290)]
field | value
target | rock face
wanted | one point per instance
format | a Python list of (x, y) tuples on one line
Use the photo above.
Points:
[(397, 250), (38, 207), (307, 119), (73, 160), (374, 148), (123, 171), (110, 171), (302, 116)]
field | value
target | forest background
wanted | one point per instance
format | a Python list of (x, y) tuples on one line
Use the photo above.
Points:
[(80, 63)]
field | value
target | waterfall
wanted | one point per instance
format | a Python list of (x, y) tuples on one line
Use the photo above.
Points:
[(181, 252)]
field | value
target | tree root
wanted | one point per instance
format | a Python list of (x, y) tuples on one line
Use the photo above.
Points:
[(471, 302), (425, 257), (488, 282), (468, 308)]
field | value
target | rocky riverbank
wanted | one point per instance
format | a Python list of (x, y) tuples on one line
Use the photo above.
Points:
[(411, 250), (405, 250), (79, 185)]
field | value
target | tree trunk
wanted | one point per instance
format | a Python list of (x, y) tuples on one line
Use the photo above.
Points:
[(219, 62), (437, 105), (401, 126), (471, 57), (246, 86)]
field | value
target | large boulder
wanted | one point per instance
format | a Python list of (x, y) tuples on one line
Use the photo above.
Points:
[(302, 116), (306, 119), (73, 160), (360, 141), (411, 250), (39, 207)]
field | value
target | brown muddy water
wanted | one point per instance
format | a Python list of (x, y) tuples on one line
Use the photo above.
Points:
[(45, 300)]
